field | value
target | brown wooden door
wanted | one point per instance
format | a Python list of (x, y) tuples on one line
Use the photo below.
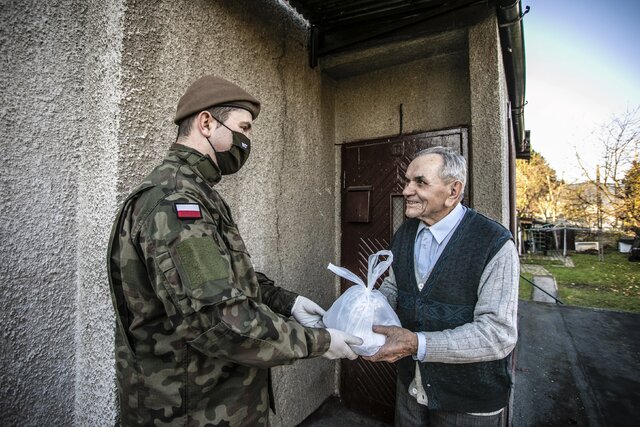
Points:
[(372, 209)]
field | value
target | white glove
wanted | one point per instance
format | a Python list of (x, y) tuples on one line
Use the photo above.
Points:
[(339, 347), (307, 313)]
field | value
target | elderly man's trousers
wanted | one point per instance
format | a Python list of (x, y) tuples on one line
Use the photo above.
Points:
[(409, 413)]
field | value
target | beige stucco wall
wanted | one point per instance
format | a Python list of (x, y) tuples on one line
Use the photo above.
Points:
[(489, 122), (42, 122), (95, 401), (282, 192), (95, 85), (434, 93)]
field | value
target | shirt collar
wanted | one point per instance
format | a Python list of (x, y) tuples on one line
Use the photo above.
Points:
[(442, 228)]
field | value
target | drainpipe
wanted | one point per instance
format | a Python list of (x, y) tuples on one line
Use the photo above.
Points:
[(512, 41), (513, 216)]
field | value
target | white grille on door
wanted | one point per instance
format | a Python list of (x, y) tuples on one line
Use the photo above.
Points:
[(397, 212)]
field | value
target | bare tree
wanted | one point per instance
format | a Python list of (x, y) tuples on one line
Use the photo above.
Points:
[(620, 140), (549, 205)]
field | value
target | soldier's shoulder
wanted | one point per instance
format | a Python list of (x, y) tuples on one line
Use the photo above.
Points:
[(160, 212), (159, 198), (160, 183)]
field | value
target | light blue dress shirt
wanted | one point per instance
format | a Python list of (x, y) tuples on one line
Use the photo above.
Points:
[(429, 244)]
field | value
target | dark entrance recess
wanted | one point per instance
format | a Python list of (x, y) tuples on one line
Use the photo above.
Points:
[(343, 26), (372, 209)]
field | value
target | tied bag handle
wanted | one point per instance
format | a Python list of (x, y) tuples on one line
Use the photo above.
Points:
[(375, 270)]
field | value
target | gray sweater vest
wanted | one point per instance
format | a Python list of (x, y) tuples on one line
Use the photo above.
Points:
[(446, 301)]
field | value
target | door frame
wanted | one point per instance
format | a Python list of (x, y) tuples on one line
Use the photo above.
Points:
[(432, 136)]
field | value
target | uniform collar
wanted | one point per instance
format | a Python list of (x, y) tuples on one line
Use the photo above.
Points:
[(203, 165)]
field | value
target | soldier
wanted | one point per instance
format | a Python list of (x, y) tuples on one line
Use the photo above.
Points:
[(198, 328)]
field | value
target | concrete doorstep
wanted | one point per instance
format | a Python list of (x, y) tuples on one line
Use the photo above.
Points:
[(548, 284)]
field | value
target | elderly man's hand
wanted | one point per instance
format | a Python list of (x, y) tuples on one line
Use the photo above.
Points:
[(400, 343)]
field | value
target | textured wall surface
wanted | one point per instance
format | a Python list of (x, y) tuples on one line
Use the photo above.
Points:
[(41, 112), (95, 401), (283, 199), (91, 89), (489, 135), (434, 93)]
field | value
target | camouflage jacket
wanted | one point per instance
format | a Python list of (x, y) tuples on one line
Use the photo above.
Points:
[(197, 327)]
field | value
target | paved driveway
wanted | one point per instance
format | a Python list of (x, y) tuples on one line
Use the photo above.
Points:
[(576, 366)]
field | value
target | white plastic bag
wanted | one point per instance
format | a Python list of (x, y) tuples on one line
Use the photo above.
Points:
[(361, 307)]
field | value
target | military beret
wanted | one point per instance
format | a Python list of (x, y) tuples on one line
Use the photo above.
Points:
[(209, 91)]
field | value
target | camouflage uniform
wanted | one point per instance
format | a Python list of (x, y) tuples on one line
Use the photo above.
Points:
[(197, 327)]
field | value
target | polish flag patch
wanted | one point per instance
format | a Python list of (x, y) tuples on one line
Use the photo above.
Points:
[(188, 210)]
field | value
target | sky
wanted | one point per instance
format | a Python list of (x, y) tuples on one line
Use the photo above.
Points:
[(582, 69)]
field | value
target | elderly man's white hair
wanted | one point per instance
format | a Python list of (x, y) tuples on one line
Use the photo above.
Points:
[(454, 166)]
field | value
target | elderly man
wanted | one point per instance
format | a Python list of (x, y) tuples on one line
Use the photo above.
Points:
[(454, 284), (198, 328)]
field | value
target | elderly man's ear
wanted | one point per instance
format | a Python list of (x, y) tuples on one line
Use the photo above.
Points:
[(454, 193)]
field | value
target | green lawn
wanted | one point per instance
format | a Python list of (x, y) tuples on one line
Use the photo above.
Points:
[(526, 290), (612, 284)]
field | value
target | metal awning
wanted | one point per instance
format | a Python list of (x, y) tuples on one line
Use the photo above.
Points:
[(337, 25), (342, 25)]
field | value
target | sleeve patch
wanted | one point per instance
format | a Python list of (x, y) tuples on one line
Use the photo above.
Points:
[(188, 210), (201, 261)]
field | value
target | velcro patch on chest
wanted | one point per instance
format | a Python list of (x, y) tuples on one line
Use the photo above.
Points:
[(188, 210)]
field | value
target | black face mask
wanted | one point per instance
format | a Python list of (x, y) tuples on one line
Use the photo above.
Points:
[(231, 161)]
